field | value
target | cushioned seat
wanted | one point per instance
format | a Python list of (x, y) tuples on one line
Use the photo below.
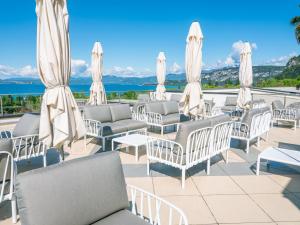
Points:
[(77, 192), (135, 124), (170, 119), (5, 146), (113, 128), (123, 217)]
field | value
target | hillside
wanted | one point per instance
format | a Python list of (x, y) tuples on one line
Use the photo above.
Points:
[(292, 69)]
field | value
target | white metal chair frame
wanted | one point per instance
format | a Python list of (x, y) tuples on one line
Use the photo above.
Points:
[(149, 208), (259, 105), (260, 125), (140, 113), (288, 114), (26, 147), (155, 120), (94, 129), (10, 196), (202, 145)]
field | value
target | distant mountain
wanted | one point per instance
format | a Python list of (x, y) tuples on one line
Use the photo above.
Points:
[(219, 76), (292, 69)]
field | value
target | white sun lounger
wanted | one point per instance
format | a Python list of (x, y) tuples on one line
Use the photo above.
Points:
[(280, 155)]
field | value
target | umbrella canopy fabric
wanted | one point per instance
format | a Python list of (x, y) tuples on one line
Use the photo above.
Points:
[(161, 76), (245, 77), (97, 91), (60, 118), (192, 99)]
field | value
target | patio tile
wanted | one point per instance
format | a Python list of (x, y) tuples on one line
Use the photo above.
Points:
[(144, 183), (235, 209), (247, 224), (200, 170), (279, 207), (209, 185), (135, 170), (194, 207), (288, 223), (289, 182), (236, 169), (129, 157), (160, 169), (168, 186), (257, 184)]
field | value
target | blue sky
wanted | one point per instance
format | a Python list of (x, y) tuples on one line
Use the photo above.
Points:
[(133, 32)]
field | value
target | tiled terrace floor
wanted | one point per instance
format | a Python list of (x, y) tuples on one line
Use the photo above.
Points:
[(232, 194)]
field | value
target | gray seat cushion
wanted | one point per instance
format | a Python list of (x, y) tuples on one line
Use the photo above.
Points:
[(113, 128), (188, 127), (28, 124), (123, 217), (295, 105), (230, 101), (133, 124), (170, 107), (76, 192), (137, 105), (209, 104), (100, 113), (277, 104), (248, 115), (5, 146), (156, 107), (120, 112), (171, 118)]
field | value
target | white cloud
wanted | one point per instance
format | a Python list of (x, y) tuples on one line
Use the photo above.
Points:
[(282, 60), (80, 67), (175, 69), (10, 72), (128, 71), (233, 58)]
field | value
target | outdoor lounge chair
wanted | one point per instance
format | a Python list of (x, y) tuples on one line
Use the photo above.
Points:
[(230, 104), (163, 114), (25, 137), (89, 190), (281, 113), (7, 175), (257, 104), (111, 120), (196, 142), (254, 124)]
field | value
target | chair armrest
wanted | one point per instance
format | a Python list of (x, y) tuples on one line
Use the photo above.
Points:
[(93, 127), (165, 150), (153, 118), (288, 114), (240, 129), (5, 134), (149, 207)]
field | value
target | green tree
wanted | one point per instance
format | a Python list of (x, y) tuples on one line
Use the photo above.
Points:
[(295, 21)]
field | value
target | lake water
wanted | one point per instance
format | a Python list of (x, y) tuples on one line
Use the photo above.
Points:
[(35, 89)]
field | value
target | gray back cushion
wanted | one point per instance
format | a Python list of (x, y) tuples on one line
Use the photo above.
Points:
[(5, 146), (277, 104), (156, 107), (176, 97), (188, 127), (219, 119), (120, 112), (230, 101), (77, 192), (100, 113), (170, 107), (248, 115), (28, 124)]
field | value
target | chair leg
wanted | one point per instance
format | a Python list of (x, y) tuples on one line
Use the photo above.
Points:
[(103, 144), (148, 167), (247, 146), (45, 159), (183, 178), (14, 209), (257, 166), (208, 167)]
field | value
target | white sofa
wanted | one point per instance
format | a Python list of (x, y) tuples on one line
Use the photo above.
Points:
[(196, 142)]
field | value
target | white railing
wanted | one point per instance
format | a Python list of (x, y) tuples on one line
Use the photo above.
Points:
[(154, 209)]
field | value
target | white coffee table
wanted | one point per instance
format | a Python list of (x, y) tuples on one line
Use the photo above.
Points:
[(281, 155), (135, 140)]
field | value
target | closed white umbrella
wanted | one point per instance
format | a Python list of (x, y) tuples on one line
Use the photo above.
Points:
[(97, 91), (161, 76), (192, 99), (245, 77), (60, 118)]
